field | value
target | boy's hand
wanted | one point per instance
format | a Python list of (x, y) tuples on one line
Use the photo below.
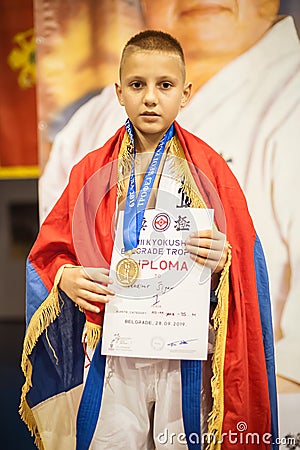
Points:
[(84, 285), (209, 248)]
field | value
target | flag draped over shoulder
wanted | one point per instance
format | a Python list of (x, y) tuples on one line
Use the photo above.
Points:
[(78, 232)]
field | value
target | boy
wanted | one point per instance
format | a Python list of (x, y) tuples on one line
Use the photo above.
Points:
[(141, 399)]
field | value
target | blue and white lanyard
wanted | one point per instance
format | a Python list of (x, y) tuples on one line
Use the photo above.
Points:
[(135, 205)]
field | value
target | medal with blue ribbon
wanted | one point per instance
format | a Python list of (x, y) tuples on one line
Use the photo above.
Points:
[(127, 270)]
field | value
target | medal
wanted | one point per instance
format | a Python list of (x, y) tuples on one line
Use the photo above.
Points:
[(127, 270)]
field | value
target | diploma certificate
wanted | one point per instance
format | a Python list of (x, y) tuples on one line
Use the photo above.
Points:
[(165, 313)]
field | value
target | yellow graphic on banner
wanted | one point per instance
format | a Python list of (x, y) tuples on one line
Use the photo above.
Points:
[(14, 172), (23, 58)]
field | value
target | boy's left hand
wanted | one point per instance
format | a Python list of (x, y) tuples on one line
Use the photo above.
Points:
[(209, 248)]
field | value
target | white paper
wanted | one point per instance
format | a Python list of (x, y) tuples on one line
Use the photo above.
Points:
[(165, 313)]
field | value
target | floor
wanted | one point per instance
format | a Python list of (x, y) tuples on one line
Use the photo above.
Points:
[(14, 433)]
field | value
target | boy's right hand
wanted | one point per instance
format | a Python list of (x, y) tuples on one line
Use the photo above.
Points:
[(85, 285)]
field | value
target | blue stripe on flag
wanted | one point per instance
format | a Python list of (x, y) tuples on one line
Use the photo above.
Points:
[(58, 368), (262, 283), (36, 291)]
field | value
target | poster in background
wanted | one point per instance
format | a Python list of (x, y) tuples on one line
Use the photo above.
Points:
[(246, 105), (78, 51), (18, 122)]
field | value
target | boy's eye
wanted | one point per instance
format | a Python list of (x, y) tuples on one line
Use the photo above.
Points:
[(166, 84), (136, 84)]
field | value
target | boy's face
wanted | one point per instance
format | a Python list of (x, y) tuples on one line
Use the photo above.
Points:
[(152, 89)]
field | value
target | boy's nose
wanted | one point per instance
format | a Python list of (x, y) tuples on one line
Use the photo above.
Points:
[(150, 97)]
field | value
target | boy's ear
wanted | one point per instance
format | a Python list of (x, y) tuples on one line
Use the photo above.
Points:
[(119, 94), (186, 95)]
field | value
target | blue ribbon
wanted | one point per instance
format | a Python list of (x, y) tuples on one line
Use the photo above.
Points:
[(191, 379), (135, 206)]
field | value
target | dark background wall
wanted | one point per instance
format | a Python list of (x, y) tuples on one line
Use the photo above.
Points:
[(18, 229)]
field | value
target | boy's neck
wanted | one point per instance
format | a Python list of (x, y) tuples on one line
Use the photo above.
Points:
[(146, 143)]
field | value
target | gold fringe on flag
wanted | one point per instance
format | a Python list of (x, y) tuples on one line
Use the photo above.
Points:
[(41, 319), (124, 164), (93, 334), (220, 317), (183, 174)]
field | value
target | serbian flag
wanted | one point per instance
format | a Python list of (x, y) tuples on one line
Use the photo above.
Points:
[(78, 232)]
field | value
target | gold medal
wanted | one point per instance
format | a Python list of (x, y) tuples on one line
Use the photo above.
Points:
[(127, 271)]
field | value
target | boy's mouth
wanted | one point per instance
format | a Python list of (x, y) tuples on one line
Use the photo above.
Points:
[(149, 114)]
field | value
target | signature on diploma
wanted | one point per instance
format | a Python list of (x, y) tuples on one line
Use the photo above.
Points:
[(161, 290), (156, 300), (181, 342)]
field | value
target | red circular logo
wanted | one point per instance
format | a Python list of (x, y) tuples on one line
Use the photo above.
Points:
[(161, 222)]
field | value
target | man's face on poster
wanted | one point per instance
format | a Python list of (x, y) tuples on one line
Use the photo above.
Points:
[(211, 26)]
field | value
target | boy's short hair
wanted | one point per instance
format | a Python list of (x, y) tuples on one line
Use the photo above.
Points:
[(153, 40)]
